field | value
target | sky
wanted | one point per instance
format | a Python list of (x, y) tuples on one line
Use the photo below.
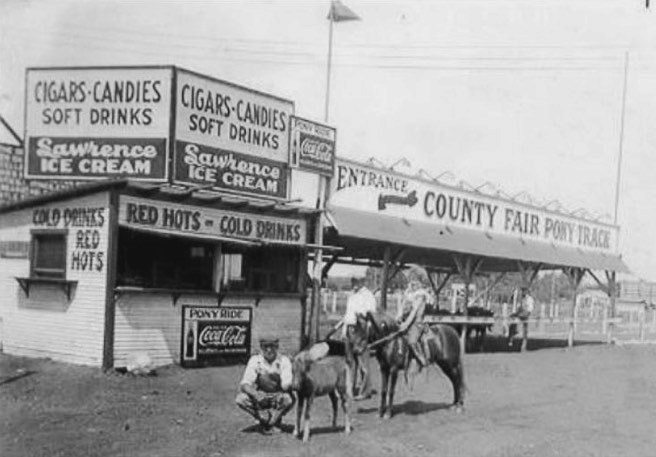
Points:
[(523, 94)]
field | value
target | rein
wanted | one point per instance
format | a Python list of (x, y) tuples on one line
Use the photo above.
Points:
[(384, 339)]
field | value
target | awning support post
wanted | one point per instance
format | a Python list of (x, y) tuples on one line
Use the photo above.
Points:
[(385, 278), (326, 268), (438, 283), (575, 276), (528, 272), (302, 289), (467, 266), (612, 297)]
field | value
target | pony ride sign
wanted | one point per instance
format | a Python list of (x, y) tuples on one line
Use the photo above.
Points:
[(95, 123), (214, 335)]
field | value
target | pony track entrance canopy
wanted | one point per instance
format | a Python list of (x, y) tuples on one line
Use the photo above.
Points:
[(373, 209), (362, 235)]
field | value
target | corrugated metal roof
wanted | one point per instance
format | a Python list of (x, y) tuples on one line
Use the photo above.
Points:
[(362, 225)]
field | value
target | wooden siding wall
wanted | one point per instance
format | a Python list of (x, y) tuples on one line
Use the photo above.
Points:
[(47, 324), (151, 323)]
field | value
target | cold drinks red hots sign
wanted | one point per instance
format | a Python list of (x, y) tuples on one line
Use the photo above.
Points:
[(210, 335), (85, 123)]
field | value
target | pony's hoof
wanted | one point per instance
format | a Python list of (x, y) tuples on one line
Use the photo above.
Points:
[(347, 430), (458, 409), (387, 416)]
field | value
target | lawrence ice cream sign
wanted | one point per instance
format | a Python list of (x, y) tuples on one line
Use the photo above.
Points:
[(86, 123), (361, 187), (231, 137)]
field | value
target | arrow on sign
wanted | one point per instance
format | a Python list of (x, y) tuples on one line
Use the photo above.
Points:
[(409, 200)]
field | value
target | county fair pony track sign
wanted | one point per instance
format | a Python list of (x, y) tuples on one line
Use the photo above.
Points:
[(156, 124), (362, 187), (214, 335)]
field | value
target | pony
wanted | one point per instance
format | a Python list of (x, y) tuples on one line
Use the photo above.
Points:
[(441, 346), (330, 376)]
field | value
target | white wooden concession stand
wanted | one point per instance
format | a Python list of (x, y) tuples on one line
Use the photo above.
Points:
[(106, 268)]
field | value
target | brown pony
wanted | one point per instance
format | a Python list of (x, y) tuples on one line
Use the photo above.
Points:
[(441, 345)]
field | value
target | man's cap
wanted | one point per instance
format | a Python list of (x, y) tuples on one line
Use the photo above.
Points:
[(269, 341)]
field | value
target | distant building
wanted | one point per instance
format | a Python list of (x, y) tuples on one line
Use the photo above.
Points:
[(13, 186)]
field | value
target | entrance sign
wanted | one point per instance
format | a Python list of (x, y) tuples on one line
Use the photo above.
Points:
[(362, 187), (312, 146), (169, 218), (212, 335), (230, 136), (90, 123)]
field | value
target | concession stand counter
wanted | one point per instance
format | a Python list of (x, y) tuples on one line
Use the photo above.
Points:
[(185, 275)]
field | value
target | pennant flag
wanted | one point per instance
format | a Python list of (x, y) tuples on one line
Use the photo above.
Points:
[(340, 12)]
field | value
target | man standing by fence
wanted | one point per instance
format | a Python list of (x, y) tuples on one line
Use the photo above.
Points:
[(358, 304)]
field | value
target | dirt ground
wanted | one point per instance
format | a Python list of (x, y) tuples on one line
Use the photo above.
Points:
[(593, 400)]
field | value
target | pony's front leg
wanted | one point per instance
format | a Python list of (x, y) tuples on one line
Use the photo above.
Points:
[(392, 387), (333, 401), (384, 377), (306, 425), (299, 411)]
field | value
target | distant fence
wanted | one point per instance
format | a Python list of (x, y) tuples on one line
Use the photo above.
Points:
[(590, 320)]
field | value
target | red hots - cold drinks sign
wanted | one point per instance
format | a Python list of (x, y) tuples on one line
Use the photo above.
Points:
[(214, 335), (156, 124)]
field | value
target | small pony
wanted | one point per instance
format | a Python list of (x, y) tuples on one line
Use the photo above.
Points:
[(314, 378)]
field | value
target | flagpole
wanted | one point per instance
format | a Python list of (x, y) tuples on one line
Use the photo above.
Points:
[(315, 306), (328, 68), (621, 145)]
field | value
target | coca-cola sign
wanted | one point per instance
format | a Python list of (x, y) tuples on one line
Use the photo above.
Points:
[(213, 335), (312, 146), (223, 336)]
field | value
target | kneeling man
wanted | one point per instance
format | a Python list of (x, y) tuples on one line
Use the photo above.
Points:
[(265, 386)]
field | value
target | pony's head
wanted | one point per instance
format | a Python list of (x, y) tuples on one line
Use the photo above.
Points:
[(300, 366), (370, 328)]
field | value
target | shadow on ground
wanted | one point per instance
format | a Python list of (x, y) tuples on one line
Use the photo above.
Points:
[(410, 407), (499, 343)]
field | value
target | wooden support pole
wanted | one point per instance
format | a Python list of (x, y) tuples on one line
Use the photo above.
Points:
[(467, 267), (385, 278), (612, 298), (438, 283), (575, 276)]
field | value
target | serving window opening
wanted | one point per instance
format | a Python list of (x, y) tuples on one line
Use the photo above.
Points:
[(150, 260)]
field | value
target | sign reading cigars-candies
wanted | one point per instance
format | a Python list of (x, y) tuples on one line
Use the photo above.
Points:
[(230, 137), (212, 334), (365, 188), (85, 123)]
